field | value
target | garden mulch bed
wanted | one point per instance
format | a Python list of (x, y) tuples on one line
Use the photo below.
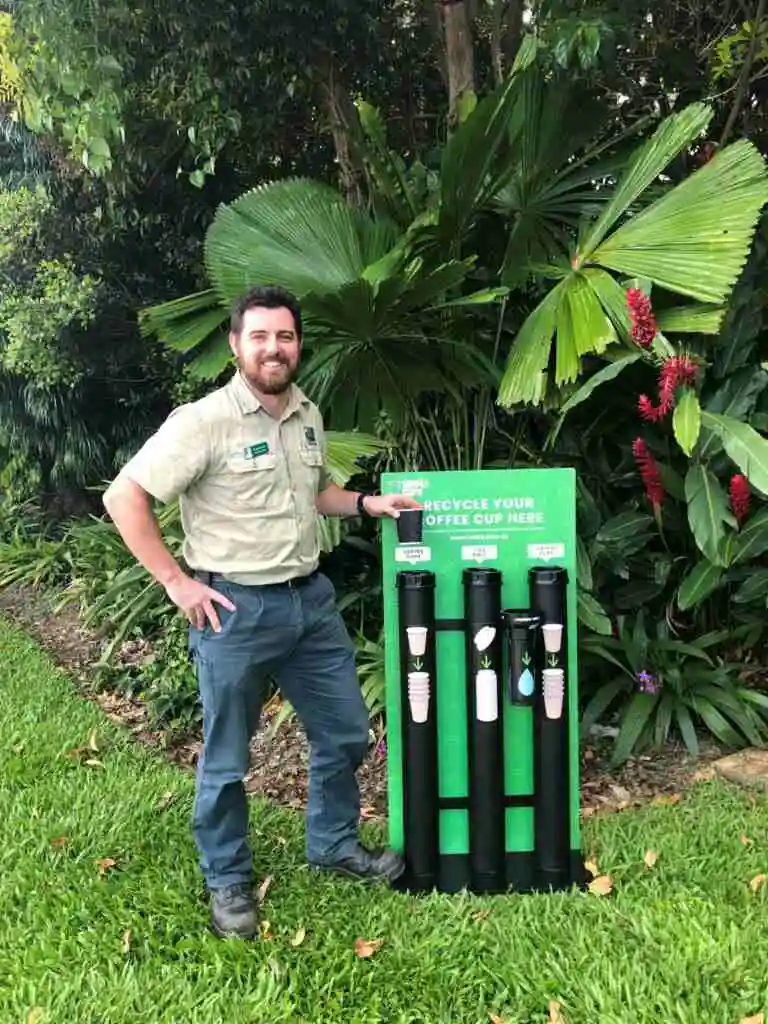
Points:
[(279, 760)]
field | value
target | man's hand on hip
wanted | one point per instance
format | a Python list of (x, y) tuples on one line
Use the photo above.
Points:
[(196, 601)]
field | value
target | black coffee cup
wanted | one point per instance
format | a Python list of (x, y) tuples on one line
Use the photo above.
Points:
[(409, 525)]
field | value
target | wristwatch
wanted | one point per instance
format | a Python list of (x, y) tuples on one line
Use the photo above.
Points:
[(361, 509)]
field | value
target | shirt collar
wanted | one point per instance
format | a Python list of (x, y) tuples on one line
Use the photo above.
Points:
[(249, 403)]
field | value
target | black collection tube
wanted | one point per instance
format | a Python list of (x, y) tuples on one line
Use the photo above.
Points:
[(420, 784), (482, 603), (551, 777), (521, 633)]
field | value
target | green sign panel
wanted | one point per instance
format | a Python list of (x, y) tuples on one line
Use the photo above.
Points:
[(482, 680)]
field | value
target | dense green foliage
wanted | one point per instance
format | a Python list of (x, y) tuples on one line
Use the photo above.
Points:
[(464, 215)]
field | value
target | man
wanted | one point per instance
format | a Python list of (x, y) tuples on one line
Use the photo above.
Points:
[(247, 464)]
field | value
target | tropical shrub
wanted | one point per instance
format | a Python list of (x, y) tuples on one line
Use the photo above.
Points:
[(659, 684)]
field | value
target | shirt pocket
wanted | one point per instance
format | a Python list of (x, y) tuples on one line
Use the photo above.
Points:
[(251, 482)]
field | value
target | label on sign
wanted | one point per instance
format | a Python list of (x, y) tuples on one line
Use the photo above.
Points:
[(479, 553), (413, 553), (546, 551)]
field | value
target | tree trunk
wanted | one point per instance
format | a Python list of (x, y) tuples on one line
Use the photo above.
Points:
[(341, 115), (460, 54)]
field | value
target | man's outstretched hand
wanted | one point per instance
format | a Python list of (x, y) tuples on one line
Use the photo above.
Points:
[(197, 601), (388, 504)]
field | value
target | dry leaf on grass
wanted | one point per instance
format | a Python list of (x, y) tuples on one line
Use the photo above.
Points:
[(759, 1018), (126, 943), (555, 1017), (601, 886), (266, 930), (92, 742), (365, 948), (592, 868), (261, 894), (299, 937), (650, 858), (36, 1015), (105, 864), (667, 800), (758, 882), (57, 844), (482, 915), (93, 762), (496, 1019), (745, 840), (166, 800)]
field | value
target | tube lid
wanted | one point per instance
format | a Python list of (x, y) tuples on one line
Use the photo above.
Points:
[(482, 577), (416, 579), (545, 575)]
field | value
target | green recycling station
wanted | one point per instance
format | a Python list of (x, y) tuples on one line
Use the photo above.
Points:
[(482, 680)]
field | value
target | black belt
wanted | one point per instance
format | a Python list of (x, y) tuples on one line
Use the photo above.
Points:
[(209, 578)]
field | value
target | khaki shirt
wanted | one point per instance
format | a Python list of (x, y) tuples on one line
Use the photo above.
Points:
[(246, 483)]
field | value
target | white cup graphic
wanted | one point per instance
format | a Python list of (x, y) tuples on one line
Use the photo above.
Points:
[(486, 695), (553, 637), (417, 640), (554, 685), (484, 637), (418, 695)]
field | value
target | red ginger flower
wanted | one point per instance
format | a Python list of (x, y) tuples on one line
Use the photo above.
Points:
[(740, 496), (644, 327), (678, 371), (649, 472)]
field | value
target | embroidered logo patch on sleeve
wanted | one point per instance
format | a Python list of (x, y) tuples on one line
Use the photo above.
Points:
[(311, 435)]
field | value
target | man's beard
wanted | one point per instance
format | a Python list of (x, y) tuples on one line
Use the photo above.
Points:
[(270, 383)]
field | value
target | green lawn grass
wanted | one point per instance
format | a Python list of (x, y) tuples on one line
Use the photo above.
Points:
[(686, 941)]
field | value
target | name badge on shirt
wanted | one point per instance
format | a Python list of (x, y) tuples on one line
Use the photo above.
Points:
[(311, 436), (253, 451)]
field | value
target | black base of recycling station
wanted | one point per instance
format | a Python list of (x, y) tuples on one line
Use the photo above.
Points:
[(521, 875)]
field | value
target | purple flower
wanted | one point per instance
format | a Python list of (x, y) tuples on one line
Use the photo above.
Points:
[(381, 749), (647, 682)]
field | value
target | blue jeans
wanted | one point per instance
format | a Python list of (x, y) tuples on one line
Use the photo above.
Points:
[(295, 634)]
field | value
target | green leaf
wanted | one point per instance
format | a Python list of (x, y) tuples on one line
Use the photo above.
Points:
[(687, 728), (624, 528), (601, 701), (296, 233), (634, 720), (466, 181), (737, 398), (583, 565), (708, 511), (343, 451), (754, 589), (715, 722), (701, 581), (479, 298), (608, 373), (696, 239), (530, 352), (744, 445), (686, 421), (592, 614), (672, 136), (752, 539), (691, 319)]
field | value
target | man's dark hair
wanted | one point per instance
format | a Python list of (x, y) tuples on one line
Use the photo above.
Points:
[(269, 297)]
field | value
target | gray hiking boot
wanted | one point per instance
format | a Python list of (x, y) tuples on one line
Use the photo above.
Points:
[(233, 913)]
